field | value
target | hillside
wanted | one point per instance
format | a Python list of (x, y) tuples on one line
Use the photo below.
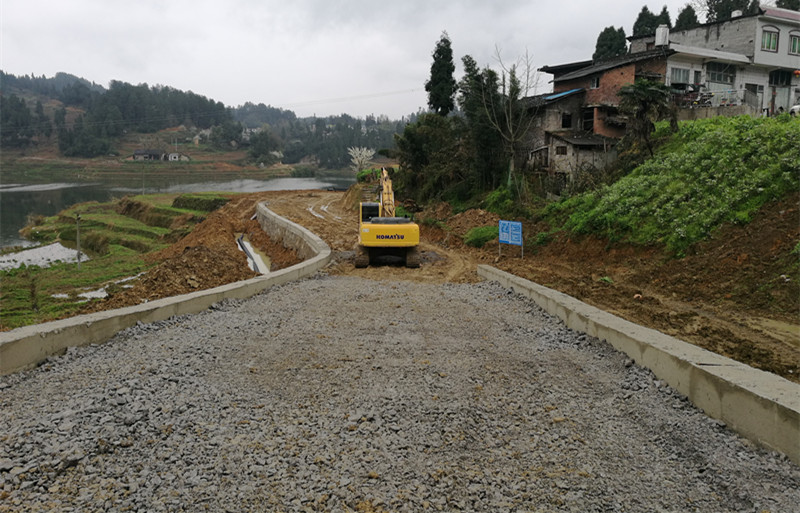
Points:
[(69, 117)]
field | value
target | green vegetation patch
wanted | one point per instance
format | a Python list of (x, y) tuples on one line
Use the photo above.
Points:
[(478, 237), (717, 170), (33, 294), (199, 201), (368, 175)]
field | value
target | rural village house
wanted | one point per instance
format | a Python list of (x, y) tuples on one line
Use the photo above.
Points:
[(159, 155), (744, 65)]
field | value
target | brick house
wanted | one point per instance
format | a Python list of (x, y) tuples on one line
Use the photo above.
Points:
[(558, 142), (602, 81)]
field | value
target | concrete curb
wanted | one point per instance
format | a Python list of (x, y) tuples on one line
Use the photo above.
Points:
[(758, 405), (26, 347)]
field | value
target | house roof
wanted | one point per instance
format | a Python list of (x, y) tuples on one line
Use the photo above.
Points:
[(565, 68), (623, 60), (564, 94), (542, 99)]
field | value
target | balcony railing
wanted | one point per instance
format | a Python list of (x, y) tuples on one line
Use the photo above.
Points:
[(728, 98)]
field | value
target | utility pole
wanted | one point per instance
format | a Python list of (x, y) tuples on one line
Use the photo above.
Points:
[(78, 238)]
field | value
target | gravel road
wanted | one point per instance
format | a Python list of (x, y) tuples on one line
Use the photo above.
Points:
[(344, 394)]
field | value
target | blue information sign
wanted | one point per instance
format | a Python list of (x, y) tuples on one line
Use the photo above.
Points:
[(511, 232)]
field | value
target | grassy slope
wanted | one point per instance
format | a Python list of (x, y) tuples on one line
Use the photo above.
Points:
[(714, 171), (117, 235)]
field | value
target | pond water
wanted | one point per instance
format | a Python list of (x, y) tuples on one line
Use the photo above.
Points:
[(20, 201)]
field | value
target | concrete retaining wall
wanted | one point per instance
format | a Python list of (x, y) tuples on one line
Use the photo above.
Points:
[(760, 406), (28, 346)]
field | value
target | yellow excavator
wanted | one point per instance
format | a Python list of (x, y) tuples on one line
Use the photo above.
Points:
[(381, 233)]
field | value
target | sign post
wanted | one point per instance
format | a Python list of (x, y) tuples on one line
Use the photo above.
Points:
[(510, 233)]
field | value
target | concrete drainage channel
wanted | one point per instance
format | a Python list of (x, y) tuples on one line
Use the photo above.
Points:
[(760, 406)]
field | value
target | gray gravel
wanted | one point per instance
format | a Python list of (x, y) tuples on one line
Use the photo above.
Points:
[(342, 394)]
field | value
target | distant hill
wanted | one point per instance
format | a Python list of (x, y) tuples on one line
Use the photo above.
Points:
[(84, 119)]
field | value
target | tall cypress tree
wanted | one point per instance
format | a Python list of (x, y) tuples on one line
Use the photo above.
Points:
[(610, 43), (646, 23), (687, 18), (441, 87)]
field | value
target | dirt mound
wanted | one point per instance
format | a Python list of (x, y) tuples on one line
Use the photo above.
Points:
[(198, 268), (206, 258), (461, 223), (437, 212)]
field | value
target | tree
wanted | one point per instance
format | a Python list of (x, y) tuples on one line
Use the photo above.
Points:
[(441, 86), (788, 4), (721, 10), (664, 18), (226, 135), (645, 102), (431, 157), (687, 18), (15, 122), (610, 43), (508, 109), (265, 146), (43, 125), (487, 158), (646, 23), (360, 157)]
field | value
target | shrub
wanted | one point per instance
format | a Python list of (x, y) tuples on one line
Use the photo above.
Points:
[(368, 175), (198, 202), (478, 237), (96, 243), (499, 201)]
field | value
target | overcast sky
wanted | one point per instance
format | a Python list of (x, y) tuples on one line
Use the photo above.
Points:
[(315, 57)]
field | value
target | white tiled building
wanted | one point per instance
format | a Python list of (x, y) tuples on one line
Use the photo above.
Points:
[(752, 59)]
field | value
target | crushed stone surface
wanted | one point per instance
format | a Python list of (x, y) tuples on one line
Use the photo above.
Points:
[(341, 394)]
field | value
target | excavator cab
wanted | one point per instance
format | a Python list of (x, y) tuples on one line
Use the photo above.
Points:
[(369, 211)]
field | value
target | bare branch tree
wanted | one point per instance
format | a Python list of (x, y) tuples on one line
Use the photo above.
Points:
[(510, 113)]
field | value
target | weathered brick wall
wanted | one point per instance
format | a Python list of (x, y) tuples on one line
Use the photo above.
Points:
[(602, 128), (610, 84)]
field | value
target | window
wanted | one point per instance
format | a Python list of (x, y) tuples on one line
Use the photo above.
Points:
[(680, 76), (720, 72), (794, 44), (561, 150), (588, 120), (780, 78), (769, 39), (698, 77), (595, 83), (566, 120)]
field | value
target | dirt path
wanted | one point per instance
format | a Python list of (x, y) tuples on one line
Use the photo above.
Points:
[(713, 299)]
